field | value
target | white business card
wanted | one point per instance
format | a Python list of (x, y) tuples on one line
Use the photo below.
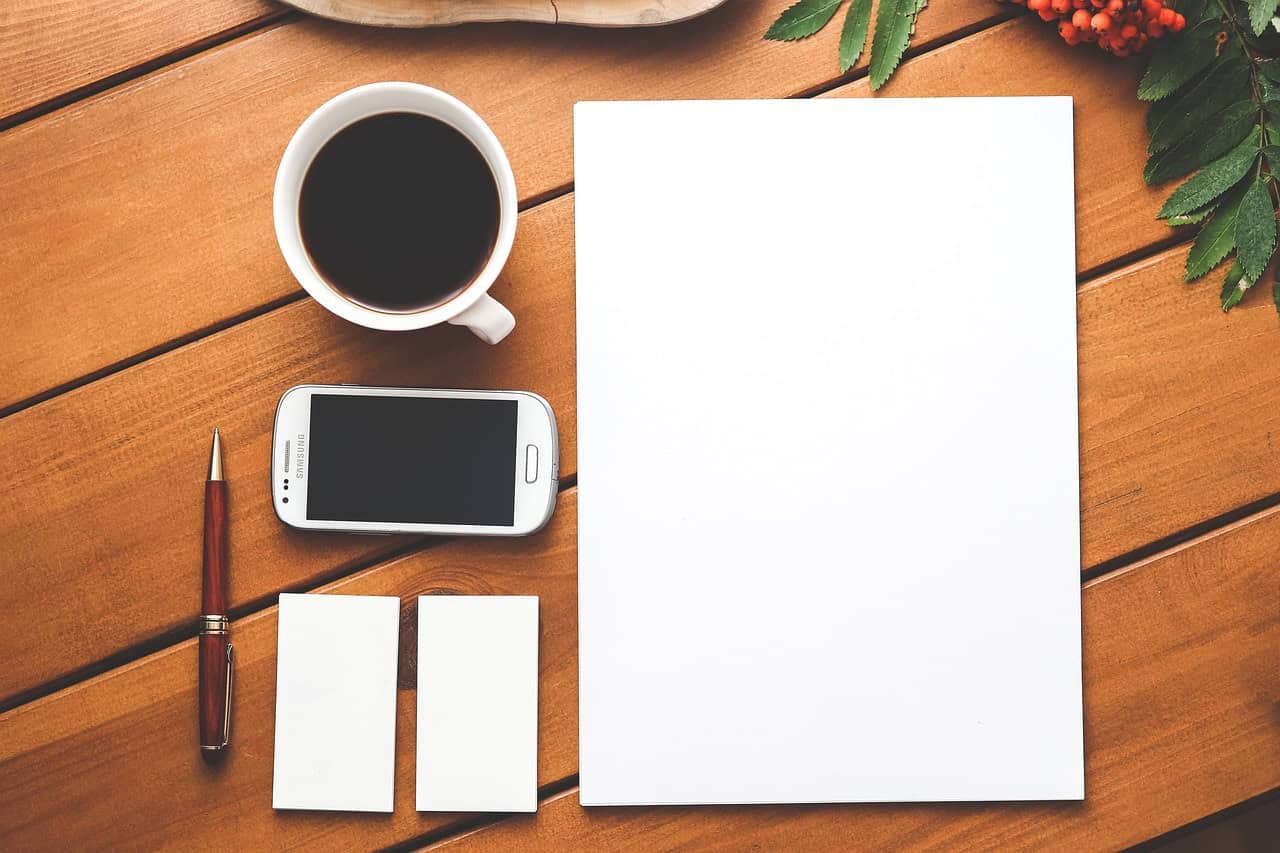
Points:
[(477, 703), (336, 702)]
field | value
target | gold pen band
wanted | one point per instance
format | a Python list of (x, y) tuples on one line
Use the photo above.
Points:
[(214, 624)]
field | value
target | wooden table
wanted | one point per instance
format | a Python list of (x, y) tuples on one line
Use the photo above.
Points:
[(144, 300)]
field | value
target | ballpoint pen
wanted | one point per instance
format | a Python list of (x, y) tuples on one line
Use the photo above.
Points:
[(216, 654)]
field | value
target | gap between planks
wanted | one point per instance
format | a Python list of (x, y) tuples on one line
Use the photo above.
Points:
[(215, 328), (246, 29)]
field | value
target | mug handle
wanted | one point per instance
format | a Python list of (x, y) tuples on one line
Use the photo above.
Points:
[(488, 318)]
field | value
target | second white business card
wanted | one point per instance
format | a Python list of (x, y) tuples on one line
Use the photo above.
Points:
[(477, 703)]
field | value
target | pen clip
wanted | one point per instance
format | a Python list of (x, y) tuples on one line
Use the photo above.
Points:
[(226, 720)]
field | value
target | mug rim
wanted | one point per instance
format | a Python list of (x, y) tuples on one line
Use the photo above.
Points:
[(362, 102)]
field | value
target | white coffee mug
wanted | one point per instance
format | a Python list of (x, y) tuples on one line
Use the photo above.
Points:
[(473, 307)]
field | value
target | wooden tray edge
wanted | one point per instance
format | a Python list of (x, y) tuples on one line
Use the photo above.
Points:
[(410, 14)]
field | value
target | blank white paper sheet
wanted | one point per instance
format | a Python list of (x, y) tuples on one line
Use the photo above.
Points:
[(478, 703), (829, 541), (336, 702)]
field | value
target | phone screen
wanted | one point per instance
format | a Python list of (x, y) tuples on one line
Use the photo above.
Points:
[(427, 460)]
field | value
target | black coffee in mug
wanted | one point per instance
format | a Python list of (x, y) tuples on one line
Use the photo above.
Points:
[(399, 212)]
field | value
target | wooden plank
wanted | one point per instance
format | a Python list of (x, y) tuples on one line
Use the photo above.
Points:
[(52, 48), (1182, 682), (1179, 405), (112, 763), (157, 195), (101, 512)]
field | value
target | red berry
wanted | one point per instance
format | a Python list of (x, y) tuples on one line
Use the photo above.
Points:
[(1062, 7), (1101, 22), (1154, 29), (1166, 17), (1178, 22), (1080, 20), (1151, 7), (1037, 5), (1128, 31), (1047, 14), (1115, 7)]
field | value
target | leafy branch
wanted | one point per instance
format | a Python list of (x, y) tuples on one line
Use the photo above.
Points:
[(1215, 93), (895, 22)]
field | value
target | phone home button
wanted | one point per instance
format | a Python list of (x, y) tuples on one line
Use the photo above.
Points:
[(531, 463)]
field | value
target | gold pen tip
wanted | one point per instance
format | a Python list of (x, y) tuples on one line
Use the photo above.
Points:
[(215, 456)]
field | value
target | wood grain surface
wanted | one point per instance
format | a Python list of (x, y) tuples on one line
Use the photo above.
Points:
[(1181, 686), (112, 763), (52, 47), (435, 13), (158, 193), (127, 509)]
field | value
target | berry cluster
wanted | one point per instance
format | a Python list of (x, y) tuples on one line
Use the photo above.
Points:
[(1120, 27)]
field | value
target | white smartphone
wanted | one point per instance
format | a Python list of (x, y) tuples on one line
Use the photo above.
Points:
[(363, 459)]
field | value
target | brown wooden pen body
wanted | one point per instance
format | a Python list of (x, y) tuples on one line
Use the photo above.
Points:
[(214, 670), (213, 597), (213, 689)]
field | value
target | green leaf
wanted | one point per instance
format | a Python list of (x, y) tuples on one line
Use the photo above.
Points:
[(1272, 153), (853, 36), (1260, 14), (1255, 229), (1225, 83), (1203, 145), (895, 22), (1213, 180), (1269, 89), (1275, 285), (802, 20), (1216, 239), (1234, 287), (1176, 60), (1193, 218)]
